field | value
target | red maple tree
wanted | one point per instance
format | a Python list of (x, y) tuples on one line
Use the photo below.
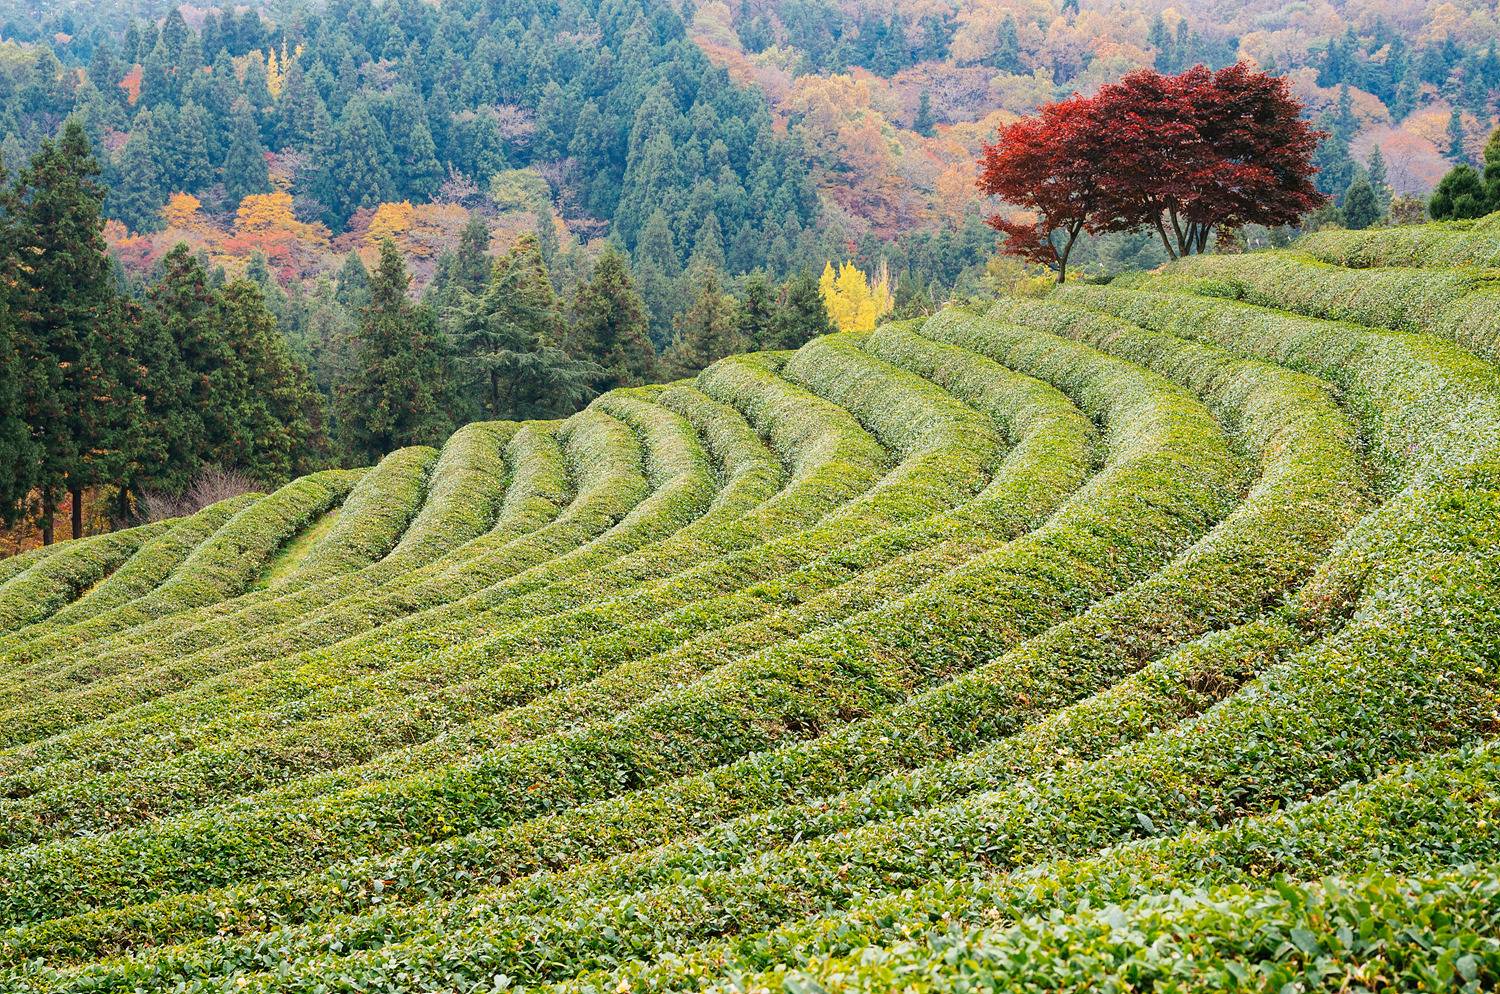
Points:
[(1046, 165), (1184, 155)]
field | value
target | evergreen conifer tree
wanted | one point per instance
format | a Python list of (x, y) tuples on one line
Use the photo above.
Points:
[(509, 341), (18, 455), (758, 311), (1457, 150), (800, 314), (354, 164), (1460, 195), (1361, 208), (610, 325), (393, 394), (1492, 168), (280, 411), (69, 325), (707, 331), (923, 123), (135, 194), (245, 170)]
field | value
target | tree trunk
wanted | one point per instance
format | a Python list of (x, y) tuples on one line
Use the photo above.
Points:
[(1062, 257), (49, 507), (76, 496), (1165, 242)]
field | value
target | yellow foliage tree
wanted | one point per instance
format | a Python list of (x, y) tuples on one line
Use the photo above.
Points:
[(266, 212), (852, 301), (391, 220), (182, 211), (274, 75)]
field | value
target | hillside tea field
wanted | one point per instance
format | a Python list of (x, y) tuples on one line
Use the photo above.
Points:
[(1142, 636)]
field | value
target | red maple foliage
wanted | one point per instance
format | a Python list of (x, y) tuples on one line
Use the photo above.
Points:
[(1047, 165), (1185, 155)]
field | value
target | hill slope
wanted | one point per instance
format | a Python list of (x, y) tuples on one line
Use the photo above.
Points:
[(1139, 635)]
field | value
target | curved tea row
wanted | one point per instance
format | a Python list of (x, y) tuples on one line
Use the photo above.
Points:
[(1098, 635)]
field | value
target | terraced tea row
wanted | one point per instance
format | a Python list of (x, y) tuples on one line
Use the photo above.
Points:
[(1086, 641)]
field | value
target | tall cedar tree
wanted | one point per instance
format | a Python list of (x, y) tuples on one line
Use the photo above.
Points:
[(800, 315), (509, 341), (245, 170), (707, 331), (1182, 155), (758, 311), (610, 325), (17, 451), (281, 411), (69, 325), (393, 394), (1492, 169), (186, 346)]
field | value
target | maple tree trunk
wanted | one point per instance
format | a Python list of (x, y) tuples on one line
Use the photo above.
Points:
[(1166, 243), (76, 496), (1062, 257)]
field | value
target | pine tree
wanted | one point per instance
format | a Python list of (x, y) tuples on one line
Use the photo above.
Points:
[(281, 418), (800, 314), (245, 170), (1492, 166), (1361, 208), (657, 268), (354, 165), (707, 331), (471, 260), (70, 326), (508, 340), (610, 326), (194, 162), (708, 244), (192, 393), (758, 311), (1460, 195), (393, 395), (18, 455), (413, 150), (1007, 57), (1379, 179), (135, 194), (1457, 151), (353, 283), (296, 112)]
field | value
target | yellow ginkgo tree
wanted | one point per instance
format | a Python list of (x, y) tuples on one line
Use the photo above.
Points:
[(853, 302)]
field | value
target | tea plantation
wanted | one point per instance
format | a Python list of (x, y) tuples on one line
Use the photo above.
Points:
[(1139, 636)]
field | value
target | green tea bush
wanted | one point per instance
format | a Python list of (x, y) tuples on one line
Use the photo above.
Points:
[(1130, 635)]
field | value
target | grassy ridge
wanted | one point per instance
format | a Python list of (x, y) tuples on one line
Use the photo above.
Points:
[(1138, 636)]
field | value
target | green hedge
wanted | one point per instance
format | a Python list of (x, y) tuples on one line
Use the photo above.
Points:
[(1462, 306), (1119, 522), (146, 684), (107, 801), (371, 521), (223, 565), (1440, 245), (142, 572), (58, 579)]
